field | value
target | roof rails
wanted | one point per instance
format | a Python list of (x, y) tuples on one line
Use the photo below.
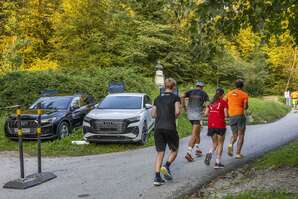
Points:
[(116, 87)]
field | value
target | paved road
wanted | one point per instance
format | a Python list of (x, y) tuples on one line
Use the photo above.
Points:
[(129, 175)]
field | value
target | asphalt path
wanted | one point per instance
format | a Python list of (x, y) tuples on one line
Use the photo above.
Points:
[(129, 175)]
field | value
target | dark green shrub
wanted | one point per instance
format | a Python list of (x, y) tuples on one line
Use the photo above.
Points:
[(25, 87)]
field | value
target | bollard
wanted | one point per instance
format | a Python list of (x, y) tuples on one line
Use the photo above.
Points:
[(20, 139), (38, 132), (39, 177)]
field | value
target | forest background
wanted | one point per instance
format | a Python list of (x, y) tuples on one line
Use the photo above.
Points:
[(80, 45)]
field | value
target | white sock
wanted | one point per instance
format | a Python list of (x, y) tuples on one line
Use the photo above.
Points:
[(217, 160), (197, 146), (189, 150)]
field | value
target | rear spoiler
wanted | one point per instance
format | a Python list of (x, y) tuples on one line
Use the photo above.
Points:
[(116, 87), (49, 92)]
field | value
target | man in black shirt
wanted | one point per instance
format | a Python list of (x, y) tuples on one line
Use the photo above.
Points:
[(165, 111)]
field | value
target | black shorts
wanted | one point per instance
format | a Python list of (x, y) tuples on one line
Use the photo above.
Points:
[(195, 122), (166, 137), (217, 131)]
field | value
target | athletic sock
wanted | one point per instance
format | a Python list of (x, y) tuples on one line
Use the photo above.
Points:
[(157, 174), (217, 160), (168, 164), (189, 150)]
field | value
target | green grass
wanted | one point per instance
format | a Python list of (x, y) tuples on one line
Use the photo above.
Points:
[(263, 111), (64, 147), (286, 156), (263, 195)]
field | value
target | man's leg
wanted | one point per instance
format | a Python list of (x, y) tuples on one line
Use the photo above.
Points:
[(160, 145), (158, 161), (241, 134), (233, 139), (173, 143), (198, 152), (192, 141)]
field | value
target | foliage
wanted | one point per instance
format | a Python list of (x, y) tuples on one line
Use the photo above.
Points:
[(216, 41), (25, 87)]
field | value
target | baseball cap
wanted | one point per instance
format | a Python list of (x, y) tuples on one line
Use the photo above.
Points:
[(220, 91), (199, 83)]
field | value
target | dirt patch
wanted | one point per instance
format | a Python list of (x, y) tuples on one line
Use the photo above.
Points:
[(245, 179), (12, 154)]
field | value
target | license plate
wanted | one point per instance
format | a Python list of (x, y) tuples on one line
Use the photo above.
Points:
[(25, 130)]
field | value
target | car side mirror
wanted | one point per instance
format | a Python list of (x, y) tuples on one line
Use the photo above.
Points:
[(74, 107), (148, 106)]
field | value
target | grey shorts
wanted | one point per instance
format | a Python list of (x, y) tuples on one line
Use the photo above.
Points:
[(238, 123)]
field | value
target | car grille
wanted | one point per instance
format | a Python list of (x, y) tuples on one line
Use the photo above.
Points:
[(28, 126), (108, 126), (24, 124)]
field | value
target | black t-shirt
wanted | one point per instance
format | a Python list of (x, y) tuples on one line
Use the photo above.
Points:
[(165, 109), (197, 98)]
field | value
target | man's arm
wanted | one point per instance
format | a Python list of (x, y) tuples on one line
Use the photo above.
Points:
[(226, 112), (206, 111), (153, 111), (177, 109), (246, 103)]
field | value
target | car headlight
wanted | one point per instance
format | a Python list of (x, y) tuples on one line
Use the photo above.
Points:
[(87, 119), (48, 120), (134, 119)]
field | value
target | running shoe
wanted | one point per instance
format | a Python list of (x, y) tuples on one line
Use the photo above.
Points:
[(166, 172), (158, 181), (219, 166), (239, 156), (208, 158), (188, 157), (198, 153), (230, 150)]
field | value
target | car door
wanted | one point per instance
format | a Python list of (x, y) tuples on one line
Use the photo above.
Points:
[(81, 107), (150, 120)]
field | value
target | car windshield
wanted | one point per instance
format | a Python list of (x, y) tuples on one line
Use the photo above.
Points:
[(60, 102), (121, 102)]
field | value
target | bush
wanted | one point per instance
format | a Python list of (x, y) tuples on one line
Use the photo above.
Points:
[(25, 87)]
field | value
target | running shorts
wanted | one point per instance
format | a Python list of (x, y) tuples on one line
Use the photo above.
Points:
[(238, 123), (217, 131), (166, 137)]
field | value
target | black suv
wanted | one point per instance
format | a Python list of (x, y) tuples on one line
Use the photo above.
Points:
[(61, 114)]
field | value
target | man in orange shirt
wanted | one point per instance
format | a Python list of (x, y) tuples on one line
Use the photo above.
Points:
[(237, 103)]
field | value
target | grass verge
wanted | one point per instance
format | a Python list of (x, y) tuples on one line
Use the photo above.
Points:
[(263, 195), (286, 156), (261, 111), (65, 148)]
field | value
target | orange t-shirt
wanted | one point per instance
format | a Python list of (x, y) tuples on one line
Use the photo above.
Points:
[(294, 95), (236, 101)]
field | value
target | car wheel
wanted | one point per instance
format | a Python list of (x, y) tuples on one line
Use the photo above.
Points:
[(144, 135), (63, 130)]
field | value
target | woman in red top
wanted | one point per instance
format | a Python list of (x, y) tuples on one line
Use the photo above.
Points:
[(217, 111)]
